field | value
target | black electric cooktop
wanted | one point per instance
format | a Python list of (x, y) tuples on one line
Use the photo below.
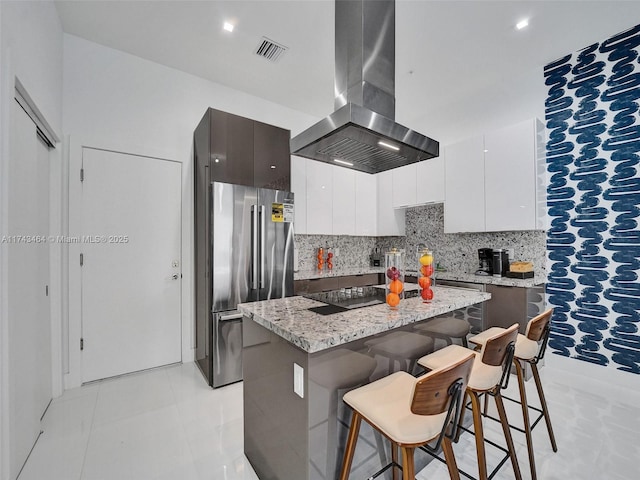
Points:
[(350, 298)]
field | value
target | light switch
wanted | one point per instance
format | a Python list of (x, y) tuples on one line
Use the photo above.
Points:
[(298, 380)]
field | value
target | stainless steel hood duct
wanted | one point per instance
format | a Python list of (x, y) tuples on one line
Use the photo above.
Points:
[(365, 97)]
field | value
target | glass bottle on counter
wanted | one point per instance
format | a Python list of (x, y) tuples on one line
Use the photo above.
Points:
[(425, 262), (394, 285)]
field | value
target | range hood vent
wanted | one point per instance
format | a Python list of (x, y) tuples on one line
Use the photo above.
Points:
[(362, 130)]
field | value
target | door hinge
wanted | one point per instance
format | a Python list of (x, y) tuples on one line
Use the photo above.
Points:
[(81, 344), (81, 259), (82, 174), (46, 290)]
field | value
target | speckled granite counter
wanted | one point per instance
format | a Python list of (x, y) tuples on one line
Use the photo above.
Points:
[(472, 278), (336, 272), (290, 318)]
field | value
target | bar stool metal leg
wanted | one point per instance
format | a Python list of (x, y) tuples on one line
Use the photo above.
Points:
[(507, 433)]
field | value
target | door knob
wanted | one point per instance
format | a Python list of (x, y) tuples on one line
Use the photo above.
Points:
[(175, 276)]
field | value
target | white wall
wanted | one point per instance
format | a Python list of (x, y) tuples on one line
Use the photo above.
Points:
[(31, 50), (510, 101), (114, 100)]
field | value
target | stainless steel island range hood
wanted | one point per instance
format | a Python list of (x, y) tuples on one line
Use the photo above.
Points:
[(362, 133)]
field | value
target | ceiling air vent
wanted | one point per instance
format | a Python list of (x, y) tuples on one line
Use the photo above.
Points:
[(270, 50)]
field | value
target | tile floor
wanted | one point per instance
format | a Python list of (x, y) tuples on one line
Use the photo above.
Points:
[(168, 424)]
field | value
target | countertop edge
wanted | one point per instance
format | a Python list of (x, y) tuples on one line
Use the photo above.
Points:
[(341, 328)]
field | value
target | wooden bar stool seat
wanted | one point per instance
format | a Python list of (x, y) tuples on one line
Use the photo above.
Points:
[(530, 349), (410, 412), (446, 328), (402, 347), (488, 376)]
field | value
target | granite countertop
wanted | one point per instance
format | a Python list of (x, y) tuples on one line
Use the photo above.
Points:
[(312, 332), (336, 272), (473, 278)]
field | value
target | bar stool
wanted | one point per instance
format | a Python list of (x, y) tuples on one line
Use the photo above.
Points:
[(402, 347), (489, 375), (530, 348), (410, 412), (446, 328), (341, 369)]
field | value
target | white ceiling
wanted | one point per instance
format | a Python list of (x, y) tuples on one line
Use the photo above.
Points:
[(445, 50)]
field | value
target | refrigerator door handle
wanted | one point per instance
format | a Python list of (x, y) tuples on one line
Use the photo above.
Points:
[(254, 248), (230, 317), (263, 253)]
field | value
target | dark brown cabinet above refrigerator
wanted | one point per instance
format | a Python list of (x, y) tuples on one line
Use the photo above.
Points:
[(242, 151)]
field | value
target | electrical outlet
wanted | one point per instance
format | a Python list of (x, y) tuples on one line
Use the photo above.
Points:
[(511, 254), (298, 380), (336, 251)]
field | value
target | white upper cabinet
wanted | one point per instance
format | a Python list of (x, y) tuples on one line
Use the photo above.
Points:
[(430, 181), (404, 186), (390, 221), (366, 204), (299, 188), (344, 201), (319, 198), (464, 186), (510, 178), (495, 182)]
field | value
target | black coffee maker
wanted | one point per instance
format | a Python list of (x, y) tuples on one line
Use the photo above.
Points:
[(485, 261)]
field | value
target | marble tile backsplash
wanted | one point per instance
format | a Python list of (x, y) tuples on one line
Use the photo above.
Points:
[(425, 224), (459, 252)]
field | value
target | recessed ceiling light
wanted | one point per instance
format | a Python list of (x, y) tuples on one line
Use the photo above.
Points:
[(389, 146), (522, 24), (343, 162), (273, 166), (228, 26)]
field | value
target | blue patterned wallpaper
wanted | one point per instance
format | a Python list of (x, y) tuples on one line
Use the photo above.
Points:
[(593, 198)]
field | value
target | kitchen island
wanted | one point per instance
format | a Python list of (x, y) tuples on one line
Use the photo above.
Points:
[(297, 365)]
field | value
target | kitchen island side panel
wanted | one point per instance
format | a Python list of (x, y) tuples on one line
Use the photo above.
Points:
[(275, 418)]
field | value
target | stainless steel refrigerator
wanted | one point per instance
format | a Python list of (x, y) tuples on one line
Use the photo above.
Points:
[(251, 258)]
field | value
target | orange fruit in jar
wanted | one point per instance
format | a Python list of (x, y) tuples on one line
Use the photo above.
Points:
[(426, 294), (396, 286), (426, 270), (393, 299), (424, 282)]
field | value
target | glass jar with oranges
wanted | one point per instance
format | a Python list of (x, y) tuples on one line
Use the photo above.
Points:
[(425, 261), (394, 265)]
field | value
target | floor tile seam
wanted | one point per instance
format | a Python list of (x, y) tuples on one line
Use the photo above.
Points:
[(86, 447)]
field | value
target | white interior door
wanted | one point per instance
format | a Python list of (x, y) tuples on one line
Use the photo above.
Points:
[(131, 273), (28, 303)]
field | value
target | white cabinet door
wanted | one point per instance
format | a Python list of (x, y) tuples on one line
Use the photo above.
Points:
[(299, 188), (510, 172), (390, 221), (319, 198), (366, 204), (404, 186), (464, 186), (344, 201), (430, 181)]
